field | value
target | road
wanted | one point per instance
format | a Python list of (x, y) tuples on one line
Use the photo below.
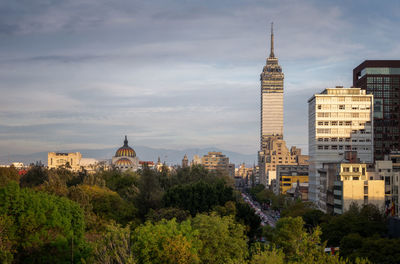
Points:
[(267, 216)]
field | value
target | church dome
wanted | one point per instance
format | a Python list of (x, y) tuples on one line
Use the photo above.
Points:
[(124, 162), (125, 150)]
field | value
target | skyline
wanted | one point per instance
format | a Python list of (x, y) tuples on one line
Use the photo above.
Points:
[(173, 74)]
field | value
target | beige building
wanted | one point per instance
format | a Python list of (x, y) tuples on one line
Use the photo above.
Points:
[(216, 161), (354, 185), (274, 154), (340, 119), (64, 160)]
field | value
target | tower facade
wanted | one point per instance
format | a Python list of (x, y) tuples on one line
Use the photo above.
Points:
[(381, 78), (271, 98), (271, 111)]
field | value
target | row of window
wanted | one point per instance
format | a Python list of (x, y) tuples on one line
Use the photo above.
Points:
[(343, 115), (334, 139), (343, 107), (342, 123), (344, 99), (381, 79), (347, 131), (340, 147)]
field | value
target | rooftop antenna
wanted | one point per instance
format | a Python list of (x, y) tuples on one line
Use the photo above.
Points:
[(272, 55)]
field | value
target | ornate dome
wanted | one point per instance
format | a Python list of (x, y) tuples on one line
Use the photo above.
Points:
[(125, 150), (124, 162)]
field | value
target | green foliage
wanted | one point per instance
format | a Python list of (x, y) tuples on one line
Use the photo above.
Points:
[(374, 248), (150, 192), (124, 183), (272, 256), (45, 225), (298, 245), (7, 239), (7, 175), (311, 216), (104, 202), (223, 239), (166, 242), (35, 176), (113, 247), (365, 221), (267, 196), (198, 197), (168, 214), (247, 216)]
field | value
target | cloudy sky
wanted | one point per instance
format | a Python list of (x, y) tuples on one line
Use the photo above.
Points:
[(173, 74)]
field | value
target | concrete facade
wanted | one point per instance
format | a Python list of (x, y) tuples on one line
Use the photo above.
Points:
[(216, 161), (340, 119), (288, 175), (64, 160)]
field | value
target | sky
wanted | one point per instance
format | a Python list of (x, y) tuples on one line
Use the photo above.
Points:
[(173, 74)]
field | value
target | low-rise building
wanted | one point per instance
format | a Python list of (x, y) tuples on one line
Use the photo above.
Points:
[(354, 185), (288, 175), (215, 161), (64, 160)]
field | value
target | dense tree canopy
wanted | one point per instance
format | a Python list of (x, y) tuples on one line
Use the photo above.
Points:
[(44, 226)]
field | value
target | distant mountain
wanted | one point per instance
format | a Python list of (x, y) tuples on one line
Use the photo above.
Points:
[(170, 156)]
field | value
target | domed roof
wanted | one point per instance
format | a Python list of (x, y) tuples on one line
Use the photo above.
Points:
[(125, 150), (123, 162)]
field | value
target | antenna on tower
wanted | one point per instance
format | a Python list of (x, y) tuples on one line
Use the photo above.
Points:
[(272, 55)]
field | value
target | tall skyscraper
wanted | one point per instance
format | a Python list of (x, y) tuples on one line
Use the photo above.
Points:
[(273, 150), (339, 120), (382, 79), (271, 98)]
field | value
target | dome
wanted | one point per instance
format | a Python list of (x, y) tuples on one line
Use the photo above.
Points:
[(124, 162), (125, 150)]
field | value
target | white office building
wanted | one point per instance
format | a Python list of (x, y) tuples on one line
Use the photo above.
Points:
[(339, 119)]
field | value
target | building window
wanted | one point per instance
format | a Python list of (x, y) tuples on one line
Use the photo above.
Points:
[(341, 107)]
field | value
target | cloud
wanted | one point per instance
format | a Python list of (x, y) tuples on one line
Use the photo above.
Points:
[(173, 73)]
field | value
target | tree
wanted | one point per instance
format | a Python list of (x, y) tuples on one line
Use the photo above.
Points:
[(45, 225), (7, 239), (124, 183), (247, 216), (150, 192), (298, 245), (271, 256), (35, 176), (104, 203), (167, 213), (113, 247), (223, 239), (166, 242), (7, 175), (365, 221), (374, 248), (198, 197)]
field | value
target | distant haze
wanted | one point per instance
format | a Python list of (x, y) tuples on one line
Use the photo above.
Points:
[(169, 156)]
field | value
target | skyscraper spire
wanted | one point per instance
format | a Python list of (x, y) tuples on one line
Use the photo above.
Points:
[(272, 55)]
